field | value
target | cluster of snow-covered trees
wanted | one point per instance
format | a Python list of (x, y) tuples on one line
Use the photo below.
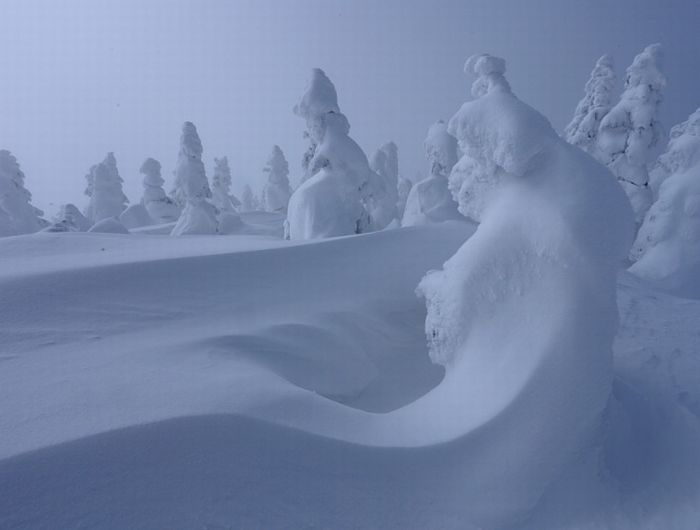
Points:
[(626, 136), (342, 191)]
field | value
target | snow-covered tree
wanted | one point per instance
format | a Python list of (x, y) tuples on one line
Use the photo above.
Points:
[(667, 248), (384, 206), (403, 190), (630, 131), (596, 103), (17, 214), (221, 187), (681, 154), (104, 188), (249, 202), (199, 215), (160, 207), (69, 219), (430, 200), (335, 198), (276, 193)]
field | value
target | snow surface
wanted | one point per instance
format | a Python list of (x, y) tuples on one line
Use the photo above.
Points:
[(244, 381)]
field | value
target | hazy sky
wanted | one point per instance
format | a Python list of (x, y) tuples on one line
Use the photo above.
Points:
[(80, 78)]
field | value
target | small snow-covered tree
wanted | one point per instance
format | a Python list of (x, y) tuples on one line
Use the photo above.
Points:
[(276, 193), (69, 219), (403, 189), (199, 215), (681, 154), (160, 207), (104, 188), (248, 200), (430, 200), (596, 103), (631, 130), (384, 206), (221, 187), (17, 214), (338, 194)]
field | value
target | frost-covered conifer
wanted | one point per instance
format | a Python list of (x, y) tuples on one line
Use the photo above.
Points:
[(248, 200), (160, 207), (69, 219), (681, 154), (403, 190), (199, 215), (221, 187), (276, 193), (385, 163), (667, 247), (337, 196), (596, 103), (430, 200), (107, 198), (631, 130), (17, 214)]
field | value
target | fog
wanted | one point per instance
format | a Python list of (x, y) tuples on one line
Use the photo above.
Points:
[(81, 78)]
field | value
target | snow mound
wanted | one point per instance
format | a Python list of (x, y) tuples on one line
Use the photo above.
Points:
[(110, 225), (135, 216), (199, 217)]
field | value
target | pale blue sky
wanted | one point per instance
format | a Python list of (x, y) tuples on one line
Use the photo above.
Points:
[(83, 77)]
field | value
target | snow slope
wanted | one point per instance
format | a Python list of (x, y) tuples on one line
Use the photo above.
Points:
[(242, 381)]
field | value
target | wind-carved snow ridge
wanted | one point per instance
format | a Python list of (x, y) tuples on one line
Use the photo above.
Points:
[(524, 314)]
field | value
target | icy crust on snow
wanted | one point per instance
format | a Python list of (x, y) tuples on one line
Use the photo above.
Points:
[(668, 243)]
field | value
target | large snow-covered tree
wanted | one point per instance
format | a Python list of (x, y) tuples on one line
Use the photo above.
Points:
[(17, 214), (336, 197), (430, 200), (160, 207), (104, 188), (596, 103), (199, 215), (631, 130), (277, 191), (385, 163), (681, 154), (221, 187)]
